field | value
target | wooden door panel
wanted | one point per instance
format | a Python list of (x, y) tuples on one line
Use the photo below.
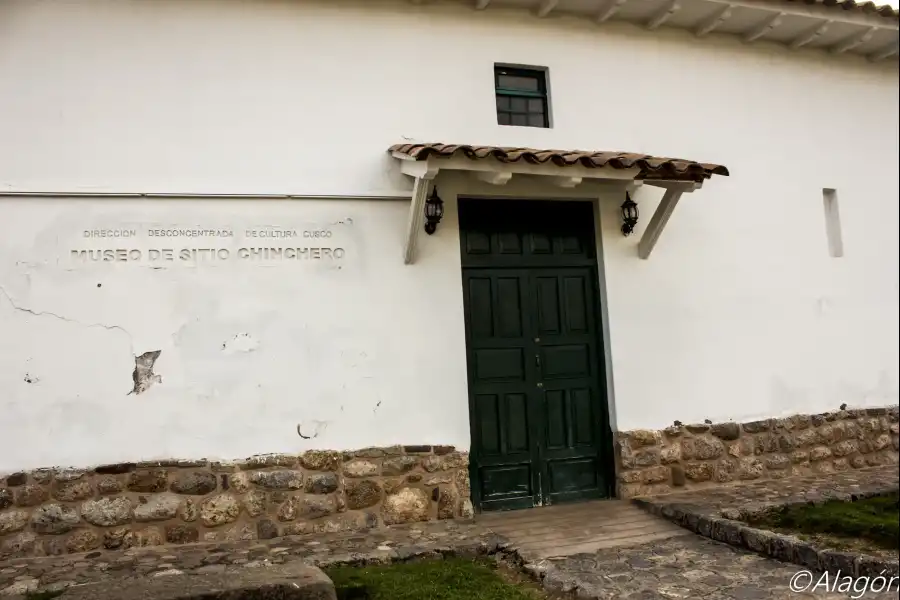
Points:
[(572, 444), (565, 361), (501, 381)]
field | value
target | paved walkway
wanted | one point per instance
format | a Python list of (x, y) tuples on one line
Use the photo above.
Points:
[(682, 565)]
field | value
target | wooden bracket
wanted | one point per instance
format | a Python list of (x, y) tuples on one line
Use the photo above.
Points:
[(660, 218), (414, 223)]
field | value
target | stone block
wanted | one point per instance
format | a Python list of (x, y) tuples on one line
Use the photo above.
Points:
[(151, 480), (407, 505), (12, 521), (30, 495), (362, 494), (54, 519), (670, 454), (197, 483), (262, 461), (16, 479), (757, 426), (107, 512), (726, 431), (278, 480), (750, 468), (697, 448), (642, 437), (219, 510), (321, 483), (293, 580), (399, 465), (447, 502), (698, 471), (182, 534), (320, 460), (362, 468), (159, 507), (83, 541), (109, 485)]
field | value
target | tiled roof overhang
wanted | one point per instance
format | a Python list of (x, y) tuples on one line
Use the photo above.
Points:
[(651, 167), (849, 5)]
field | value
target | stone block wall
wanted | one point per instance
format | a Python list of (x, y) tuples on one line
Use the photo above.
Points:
[(707, 454), (66, 510)]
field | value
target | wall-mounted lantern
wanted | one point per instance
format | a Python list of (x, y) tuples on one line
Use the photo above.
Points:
[(434, 211), (629, 215)]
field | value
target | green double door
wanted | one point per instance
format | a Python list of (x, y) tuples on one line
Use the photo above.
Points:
[(539, 424)]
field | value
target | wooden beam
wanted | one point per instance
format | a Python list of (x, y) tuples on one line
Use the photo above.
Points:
[(889, 50), (717, 18), (811, 35), (685, 186), (609, 9), (461, 163), (566, 182), (851, 42), (481, 4), (764, 27), (663, 15), (419, 168), (493, 177), (817, 12), (545, 7), (658, 221)]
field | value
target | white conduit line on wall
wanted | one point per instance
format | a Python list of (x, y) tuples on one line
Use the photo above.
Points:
[(8, 193)]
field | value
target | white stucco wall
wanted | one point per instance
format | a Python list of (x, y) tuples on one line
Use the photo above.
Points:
[(739, 313), (351, 350)]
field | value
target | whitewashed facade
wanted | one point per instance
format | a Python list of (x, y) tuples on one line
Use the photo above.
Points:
[(121, 122)]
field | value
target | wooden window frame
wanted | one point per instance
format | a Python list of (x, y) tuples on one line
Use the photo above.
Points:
[(537, 74)]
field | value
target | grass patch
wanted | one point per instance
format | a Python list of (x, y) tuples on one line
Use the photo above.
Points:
[(873, 520), (450, 579)]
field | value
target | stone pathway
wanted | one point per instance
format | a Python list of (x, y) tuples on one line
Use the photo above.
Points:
[(686, 566), (695, 567), (735, 502), (432, 539)]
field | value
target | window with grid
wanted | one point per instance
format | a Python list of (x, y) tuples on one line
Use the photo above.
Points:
[(521, 97)]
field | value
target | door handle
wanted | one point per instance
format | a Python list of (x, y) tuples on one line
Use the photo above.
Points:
[(537, 360)]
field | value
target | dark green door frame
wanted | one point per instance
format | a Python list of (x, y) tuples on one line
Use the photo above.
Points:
[(538, 409)]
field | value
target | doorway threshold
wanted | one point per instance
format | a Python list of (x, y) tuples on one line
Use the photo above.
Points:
[(577, 528)]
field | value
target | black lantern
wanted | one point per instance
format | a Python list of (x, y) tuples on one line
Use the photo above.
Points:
[(629, 215), (434, 210)]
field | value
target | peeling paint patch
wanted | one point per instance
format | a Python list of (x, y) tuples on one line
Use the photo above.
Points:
[(143, 375), (31, 378), (241, 342)]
